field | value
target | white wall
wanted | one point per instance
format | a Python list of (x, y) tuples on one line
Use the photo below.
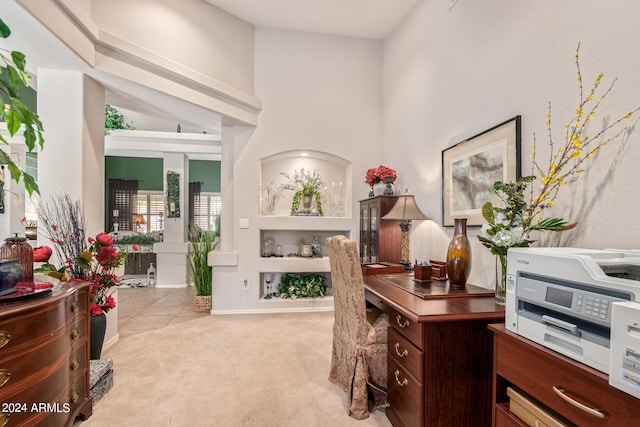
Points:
[(192, 33), (319, 93), (449, 74)]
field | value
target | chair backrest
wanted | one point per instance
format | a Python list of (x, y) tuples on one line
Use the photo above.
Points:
[(348, 287)]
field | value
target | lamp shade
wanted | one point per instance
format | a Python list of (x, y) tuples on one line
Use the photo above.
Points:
[(139, 219), (405, 209)]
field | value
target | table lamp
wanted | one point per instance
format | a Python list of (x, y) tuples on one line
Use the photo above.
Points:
[(405, 210), (138, 221)]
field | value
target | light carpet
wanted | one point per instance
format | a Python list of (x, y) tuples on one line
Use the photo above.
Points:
[(227, 370)]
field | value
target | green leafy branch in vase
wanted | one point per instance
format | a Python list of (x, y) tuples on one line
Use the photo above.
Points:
[(304, 183), (16, 113)]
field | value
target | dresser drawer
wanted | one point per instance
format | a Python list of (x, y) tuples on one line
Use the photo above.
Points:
[(16, 332), (405, 394), (40, 357), (405, 353), (532, 370), (408, 328), (39, 400)]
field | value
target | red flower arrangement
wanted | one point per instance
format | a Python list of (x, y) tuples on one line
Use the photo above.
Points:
[(42, 253), (97, 264), (380, 174)]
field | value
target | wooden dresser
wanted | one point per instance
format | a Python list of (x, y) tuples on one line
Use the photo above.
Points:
[(439, 364), (44, 359), (584, 396)]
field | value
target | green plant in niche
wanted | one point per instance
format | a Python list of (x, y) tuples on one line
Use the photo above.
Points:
[(173, 194), (113, 119), (306, 184), (15, 112), (137, 239), (293, 286), (202, 242)]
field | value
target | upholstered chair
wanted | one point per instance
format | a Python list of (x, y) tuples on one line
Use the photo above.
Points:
[(359, 356)]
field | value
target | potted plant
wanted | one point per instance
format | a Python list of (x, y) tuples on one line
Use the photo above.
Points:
[(114, 120), (16, 114), (306, 185), (202, 242), (294, 286)]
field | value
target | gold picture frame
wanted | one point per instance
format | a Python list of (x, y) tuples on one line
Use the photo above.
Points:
[(470, 167)]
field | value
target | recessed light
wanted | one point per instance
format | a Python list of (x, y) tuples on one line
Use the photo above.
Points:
[(303, 154)]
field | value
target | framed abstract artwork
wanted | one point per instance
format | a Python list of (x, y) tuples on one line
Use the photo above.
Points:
[(470, 167)]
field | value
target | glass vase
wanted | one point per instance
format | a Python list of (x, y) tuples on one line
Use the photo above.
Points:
[(459, 256), (501, 279), (18, 248)]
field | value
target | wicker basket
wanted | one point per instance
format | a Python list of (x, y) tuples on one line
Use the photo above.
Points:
[(203, 303)]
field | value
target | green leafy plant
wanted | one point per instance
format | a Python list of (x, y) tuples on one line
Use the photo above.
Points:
[(137, 239), (113, 119), (202, 242), (173, 194), (304, 183), (16, 113), (295, 286)]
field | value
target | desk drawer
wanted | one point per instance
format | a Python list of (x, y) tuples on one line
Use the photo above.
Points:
[(407, 354), (405, 394), (537, 373), (408, 328)]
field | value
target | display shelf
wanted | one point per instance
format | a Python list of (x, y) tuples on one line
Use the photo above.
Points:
[(293, 265), (311, 223)]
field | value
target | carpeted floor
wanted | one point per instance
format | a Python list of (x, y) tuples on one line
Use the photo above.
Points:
[(233, 370)]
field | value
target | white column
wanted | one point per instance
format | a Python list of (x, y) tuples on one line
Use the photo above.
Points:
[(71, 107), (171, 254)]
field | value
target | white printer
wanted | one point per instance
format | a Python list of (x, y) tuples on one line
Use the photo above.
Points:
[(582, 303)]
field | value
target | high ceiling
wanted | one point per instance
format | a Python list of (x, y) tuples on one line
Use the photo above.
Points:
[(357, 18)]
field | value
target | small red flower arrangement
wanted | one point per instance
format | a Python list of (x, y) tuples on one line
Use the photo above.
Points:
[(380, 174), (99, 263)]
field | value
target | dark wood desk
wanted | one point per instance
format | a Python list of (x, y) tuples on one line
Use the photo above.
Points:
[(440, 351)]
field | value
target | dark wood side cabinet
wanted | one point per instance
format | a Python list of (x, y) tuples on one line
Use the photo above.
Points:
[(379, 239), (139, 262), (536, 370), (44, 359)]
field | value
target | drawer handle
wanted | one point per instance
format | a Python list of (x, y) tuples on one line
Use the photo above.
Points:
[(75, 307), (403, 324), (581, 406), (4, 419), (75, 396), (75, 334), (404, 353), (75, 364), (5, 374), (5, 337), (402, 383)]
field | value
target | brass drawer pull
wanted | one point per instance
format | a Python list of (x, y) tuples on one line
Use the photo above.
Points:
[(75, 334), (75, 306), (5, 374), (75, 396), (581, 406), (5, 337), (403, 324), (404, 353), (75, 364), (4, 419), (402, 383)]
